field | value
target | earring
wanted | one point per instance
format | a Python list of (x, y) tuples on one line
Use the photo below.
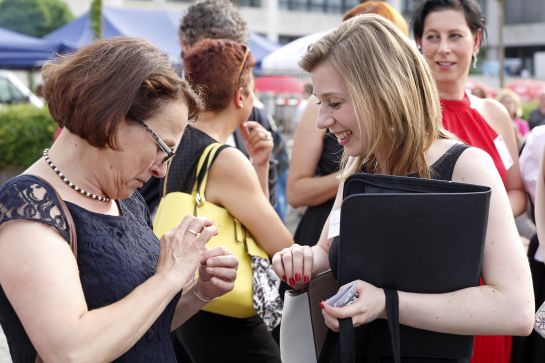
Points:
[(474, 58)]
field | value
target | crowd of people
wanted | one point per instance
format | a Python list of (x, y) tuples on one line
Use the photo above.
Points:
[(381, 103)]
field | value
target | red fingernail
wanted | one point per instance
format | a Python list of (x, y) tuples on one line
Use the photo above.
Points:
[(292, 282), (284, 278), (297, 277), (306, 279), (322, 304)]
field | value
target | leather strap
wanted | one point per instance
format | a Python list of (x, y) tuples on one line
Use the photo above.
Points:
[(346, 334), (346, 340), (392, 313), (206, 159), (73, 238)]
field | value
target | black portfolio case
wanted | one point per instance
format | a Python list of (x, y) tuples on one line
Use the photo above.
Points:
[(415, 235)]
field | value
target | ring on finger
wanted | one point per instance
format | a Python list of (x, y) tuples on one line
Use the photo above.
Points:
[(268, 136), (192, 232)]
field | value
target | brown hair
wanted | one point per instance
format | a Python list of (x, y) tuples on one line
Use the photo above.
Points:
[(381, 8), (91, 91), (392, 88), (218, 67)]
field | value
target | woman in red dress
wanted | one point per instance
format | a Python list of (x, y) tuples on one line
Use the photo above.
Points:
[(449, 34)]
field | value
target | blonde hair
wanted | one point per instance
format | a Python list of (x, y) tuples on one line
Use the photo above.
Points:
[(392, 89), (381, 8), (505, 93)]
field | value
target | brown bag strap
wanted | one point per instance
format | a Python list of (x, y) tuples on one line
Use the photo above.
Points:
[(71, 225), (73, 238)]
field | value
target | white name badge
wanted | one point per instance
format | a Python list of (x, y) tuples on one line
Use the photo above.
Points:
[(504, 152), (334, 224)]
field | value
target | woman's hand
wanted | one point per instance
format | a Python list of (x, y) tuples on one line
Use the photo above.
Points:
[(183, 247), (258, 142), (217, 273), (294, 265), (369, 306)]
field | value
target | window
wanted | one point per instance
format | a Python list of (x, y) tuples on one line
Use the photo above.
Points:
[(248, 3), (320, 6)]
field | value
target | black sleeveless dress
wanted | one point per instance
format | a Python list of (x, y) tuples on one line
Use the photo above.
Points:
[(442, 169), (115, 255), (310, 226)]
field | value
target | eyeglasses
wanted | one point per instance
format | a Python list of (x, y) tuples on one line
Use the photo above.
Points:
[(160, 143), (243, 64)]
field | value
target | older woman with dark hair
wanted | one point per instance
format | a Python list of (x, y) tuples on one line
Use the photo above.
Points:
[(123, 109), (222, 69)]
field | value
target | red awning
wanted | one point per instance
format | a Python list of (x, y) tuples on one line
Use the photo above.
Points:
[(279, 85)]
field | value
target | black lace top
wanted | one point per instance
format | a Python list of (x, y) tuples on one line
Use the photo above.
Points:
[(115, 255)]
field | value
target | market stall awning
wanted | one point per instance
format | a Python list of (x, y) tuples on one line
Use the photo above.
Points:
[(278, 85)]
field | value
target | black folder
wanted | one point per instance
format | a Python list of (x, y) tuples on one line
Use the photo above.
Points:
[(415, 235)]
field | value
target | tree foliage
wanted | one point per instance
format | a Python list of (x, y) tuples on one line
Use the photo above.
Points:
[(25, 130), (96, 19), (34, 17)]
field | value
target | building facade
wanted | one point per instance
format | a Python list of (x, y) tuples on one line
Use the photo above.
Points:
[(285, 20), (279, 20)]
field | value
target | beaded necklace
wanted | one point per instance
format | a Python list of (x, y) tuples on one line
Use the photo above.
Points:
[(69, 183)]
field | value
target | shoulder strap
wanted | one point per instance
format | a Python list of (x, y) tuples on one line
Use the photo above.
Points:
[(69, 220), (443, 168), (206, 159), (200, 173)]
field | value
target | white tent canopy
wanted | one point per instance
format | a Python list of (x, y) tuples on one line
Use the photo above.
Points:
[(286, 58)]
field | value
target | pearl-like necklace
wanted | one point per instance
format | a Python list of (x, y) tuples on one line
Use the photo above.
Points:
[(69, 183)]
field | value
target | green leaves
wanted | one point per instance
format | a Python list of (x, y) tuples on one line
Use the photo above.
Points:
[(34, 17), (25, 131)]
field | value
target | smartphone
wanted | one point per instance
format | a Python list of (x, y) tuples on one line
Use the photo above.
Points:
[(346, 296)]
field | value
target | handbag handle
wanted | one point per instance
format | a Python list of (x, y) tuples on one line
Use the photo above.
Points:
[(206, 159), (201, 172), (73, 238), (346, 334)]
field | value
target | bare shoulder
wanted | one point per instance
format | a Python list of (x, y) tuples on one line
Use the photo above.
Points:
[(475, 166), (19, 245), (493, 112), (230, 164)]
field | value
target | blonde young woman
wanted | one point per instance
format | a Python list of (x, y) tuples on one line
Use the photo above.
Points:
[(384, 110), (315, 158)]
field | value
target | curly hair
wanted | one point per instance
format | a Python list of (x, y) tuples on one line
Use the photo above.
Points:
[(215, 19), (218, 67)]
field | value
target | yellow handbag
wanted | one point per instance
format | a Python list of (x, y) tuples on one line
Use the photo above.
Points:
[(174, 206)]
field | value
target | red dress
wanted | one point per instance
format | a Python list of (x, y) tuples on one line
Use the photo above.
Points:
[(468, 124)]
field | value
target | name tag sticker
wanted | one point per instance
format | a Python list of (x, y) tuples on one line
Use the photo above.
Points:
[(504, 152), (334, 224)]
